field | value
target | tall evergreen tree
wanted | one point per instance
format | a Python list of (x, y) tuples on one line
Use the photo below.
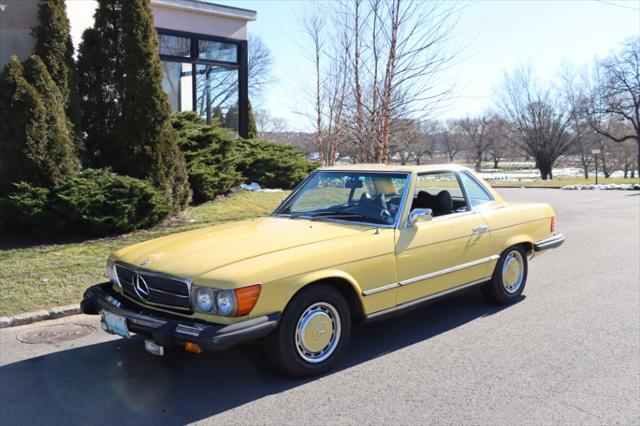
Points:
[(35, 141), (217, 117), (231, 118), (125, 109), (253, 128), (99, 85), (55, 48)]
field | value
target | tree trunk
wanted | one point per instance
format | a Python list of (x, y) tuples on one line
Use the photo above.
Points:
[(545, 169), (637, 159), (385, 122), (495, 162), (479, 161)]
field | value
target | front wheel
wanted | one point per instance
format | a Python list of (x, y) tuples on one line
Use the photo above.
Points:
[(509, 277), (313, 333)]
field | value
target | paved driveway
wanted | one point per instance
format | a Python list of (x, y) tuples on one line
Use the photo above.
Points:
[(569, 352)]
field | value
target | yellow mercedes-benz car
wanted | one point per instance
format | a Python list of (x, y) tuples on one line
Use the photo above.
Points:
[(350, 243)]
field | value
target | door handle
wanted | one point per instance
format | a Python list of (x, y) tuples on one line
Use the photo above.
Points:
[(481, 228)]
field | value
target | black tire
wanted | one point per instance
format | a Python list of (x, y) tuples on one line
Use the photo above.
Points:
[(495, 291), (283, 345)]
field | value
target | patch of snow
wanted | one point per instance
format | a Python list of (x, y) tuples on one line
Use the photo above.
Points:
[(255, 186)]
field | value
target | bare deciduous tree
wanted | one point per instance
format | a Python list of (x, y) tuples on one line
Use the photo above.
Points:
[(412, 140), (577, 102), (395, 54), (538, 117), (479, 135), (259, 65), (314, 27), (616, 95), (501, 141), (450, 139)]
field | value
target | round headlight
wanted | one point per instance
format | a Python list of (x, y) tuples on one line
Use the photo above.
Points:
[(226, 302), (204, 299)]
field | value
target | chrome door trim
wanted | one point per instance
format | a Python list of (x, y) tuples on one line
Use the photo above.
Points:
[(416, 302), (449, 270), (430, 275), (379, 289)]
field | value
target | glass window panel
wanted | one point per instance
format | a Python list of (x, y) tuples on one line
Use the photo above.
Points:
[(477, 194), (174, 45), (428, 188), (217, 94), (436, 182), (177, 83), (217, 51), (368, 197)]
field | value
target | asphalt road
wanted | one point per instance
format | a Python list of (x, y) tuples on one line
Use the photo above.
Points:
[(568, 352)]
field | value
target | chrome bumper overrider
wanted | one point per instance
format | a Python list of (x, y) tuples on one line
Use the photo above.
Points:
[(549, 243)]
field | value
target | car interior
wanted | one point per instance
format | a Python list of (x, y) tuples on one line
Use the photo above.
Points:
[(430, 194)]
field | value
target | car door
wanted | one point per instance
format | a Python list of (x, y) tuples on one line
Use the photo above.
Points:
[(450, 250)]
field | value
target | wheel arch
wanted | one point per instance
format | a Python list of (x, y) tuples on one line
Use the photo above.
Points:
[(520, 240), (341, 281)]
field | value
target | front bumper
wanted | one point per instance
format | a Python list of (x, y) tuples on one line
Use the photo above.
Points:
[(549, 243), (171, 330)]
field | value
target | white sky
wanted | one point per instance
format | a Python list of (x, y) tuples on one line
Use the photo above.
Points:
[(500, 35)]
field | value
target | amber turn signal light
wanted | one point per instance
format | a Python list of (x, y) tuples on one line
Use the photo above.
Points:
[(192, 347), (246, 298), (553, 224)]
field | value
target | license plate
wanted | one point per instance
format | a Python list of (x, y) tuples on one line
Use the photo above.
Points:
[(115, 324)]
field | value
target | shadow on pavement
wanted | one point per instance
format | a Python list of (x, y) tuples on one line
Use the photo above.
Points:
[(118, 382)]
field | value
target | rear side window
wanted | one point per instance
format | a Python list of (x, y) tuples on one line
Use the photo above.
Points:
[(476, 192)]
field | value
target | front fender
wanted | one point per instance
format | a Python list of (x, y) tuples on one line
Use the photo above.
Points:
[(315, 276)]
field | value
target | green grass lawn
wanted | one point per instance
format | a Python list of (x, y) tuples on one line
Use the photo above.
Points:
[(562, 182), (47, 275)]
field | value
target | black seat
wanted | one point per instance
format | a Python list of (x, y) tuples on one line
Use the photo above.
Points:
[(443, 204), (424, 200)]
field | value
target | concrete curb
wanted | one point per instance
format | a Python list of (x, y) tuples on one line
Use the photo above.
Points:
[(41, 315)]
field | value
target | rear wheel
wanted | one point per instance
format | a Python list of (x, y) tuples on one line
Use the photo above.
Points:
[(313, 333), (509, 277)]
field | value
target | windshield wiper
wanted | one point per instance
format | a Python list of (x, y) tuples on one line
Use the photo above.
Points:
[(331, 215)]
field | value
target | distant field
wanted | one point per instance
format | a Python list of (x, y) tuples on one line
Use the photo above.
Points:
[(563, 181)]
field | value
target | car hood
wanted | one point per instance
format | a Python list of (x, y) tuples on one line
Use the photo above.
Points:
[(194, 253)]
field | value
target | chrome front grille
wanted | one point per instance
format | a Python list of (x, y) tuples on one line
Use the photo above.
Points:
[(154, 288)]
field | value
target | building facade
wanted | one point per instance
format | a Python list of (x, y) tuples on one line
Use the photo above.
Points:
[(203, 51)]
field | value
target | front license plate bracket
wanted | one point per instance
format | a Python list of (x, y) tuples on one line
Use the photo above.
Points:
[(115, 324)]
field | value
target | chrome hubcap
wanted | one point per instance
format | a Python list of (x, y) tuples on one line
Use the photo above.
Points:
[(318, 332), (513, 272)]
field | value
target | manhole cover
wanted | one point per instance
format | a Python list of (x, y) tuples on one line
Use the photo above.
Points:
[(56, 333)]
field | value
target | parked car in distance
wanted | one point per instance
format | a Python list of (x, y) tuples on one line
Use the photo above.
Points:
[(350, 243)]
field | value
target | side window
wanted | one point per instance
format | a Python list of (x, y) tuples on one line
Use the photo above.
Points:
[(440, 192), (477, 194)]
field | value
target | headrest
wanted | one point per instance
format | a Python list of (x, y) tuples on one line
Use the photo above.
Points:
[(424, 198), (444, 201), (385, 186)]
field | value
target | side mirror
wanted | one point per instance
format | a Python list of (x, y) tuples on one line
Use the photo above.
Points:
[(419, 215)]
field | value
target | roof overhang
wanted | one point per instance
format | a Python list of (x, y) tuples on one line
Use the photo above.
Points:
[(207, 8)]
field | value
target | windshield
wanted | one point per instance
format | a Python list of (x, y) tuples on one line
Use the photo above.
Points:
[(352, 196)]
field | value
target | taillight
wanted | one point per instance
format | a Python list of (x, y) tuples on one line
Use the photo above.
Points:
[(553, 224)]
